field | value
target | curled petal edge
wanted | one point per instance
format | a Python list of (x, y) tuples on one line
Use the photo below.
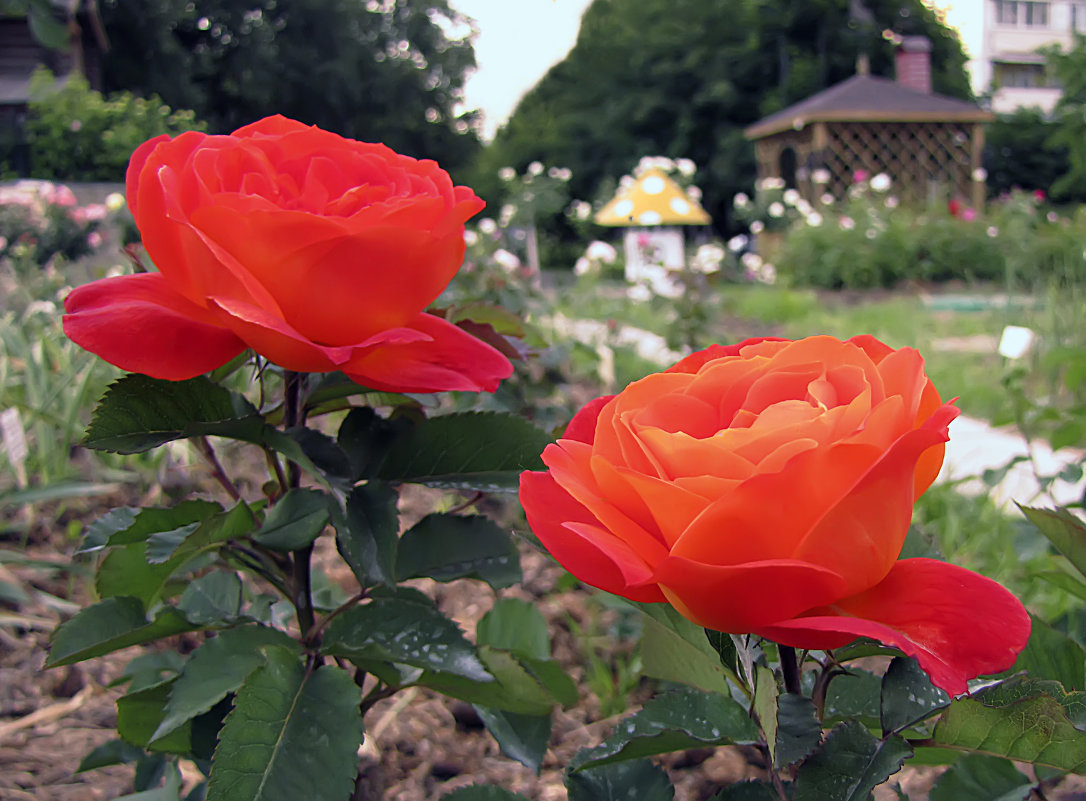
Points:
[(956, 623)]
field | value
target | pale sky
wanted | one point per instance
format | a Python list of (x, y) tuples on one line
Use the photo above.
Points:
[(520, 39)]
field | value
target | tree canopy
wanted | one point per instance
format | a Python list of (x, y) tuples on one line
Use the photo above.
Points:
[(378, 71), (1069, 118), (682, 78)]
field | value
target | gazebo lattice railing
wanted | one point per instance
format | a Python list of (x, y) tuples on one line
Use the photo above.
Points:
[(929, 161)]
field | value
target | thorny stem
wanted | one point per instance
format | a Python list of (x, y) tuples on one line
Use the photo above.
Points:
[(205, 449), (790, 669), (252, 562), (467, 504), (277, 468), (314, 633), (301, 574)]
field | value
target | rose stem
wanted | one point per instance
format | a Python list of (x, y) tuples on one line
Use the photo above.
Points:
[(292, 416), (790, 669), (205, 449)]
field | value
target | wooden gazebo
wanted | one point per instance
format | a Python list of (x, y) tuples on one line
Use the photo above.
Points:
[(929, 144)]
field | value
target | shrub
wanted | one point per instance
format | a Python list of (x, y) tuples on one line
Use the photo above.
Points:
[(76, 134)]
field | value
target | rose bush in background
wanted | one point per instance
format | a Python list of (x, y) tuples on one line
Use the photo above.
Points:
[(318, 252), (768, 487)]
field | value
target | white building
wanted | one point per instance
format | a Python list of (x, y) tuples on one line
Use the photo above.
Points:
[(1009, 64)]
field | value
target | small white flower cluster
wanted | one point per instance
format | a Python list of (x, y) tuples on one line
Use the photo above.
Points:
[(708, 258), (596, 255), (758, 269)]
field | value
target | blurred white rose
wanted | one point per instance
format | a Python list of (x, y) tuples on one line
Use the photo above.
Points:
[(506, 260)]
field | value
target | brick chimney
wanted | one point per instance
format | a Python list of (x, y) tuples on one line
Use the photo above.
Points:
[(913, 63)]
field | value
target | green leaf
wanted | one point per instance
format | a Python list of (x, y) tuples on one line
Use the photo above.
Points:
[(673, 721), (114, 752), (724, 645), (1064, 581), (908, 696), (366, 439), (218, 667), (977, 777), (628, 780), (214, 598), (765, 707), (1020, 722), (849, 765), (366, 535), (484, 451), (127, 571), (483, 792), (48, 30), (445, 547), (1051, 654), (854, 695), (150, 668), (129, 524), (1063, 530), (517, 626), (293, 733), (138, 413), (798, 729), (169, 791), (407, 631), (674, 649), (111, 625), (139, 715), (163, 544), (295, 520), (521, 737), (322, 451), (520, 685)]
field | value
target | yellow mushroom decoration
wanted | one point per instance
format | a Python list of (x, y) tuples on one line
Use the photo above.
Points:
[(653, 199)]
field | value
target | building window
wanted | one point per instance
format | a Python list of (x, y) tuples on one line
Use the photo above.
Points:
[(1020, 76), (1022, 13), (1078, 17)]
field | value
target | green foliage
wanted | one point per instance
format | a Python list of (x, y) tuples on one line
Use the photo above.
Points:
[(389, 73), (1027, 721), (869, 242), (77, 134), (683, 79), (850, 764), (467, 451), (293, 733), (1019, 154), (1069, 68), (976, 777), (682, 719)]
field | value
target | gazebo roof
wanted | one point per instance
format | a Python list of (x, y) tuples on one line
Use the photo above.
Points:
[(865, 98), (653, 199)]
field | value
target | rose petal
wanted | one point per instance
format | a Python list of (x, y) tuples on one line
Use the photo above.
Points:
[(742, 598), (447, 359), (573, 536), (138, 323), (956, 623)]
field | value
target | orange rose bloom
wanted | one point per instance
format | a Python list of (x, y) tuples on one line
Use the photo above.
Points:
[(318, 252), (767, 487)]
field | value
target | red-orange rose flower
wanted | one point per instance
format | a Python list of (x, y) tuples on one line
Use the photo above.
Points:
[(318, 252), (767, 487)]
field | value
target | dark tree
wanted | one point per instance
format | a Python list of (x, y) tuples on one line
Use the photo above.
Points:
[(682, 78), (377, 71)]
